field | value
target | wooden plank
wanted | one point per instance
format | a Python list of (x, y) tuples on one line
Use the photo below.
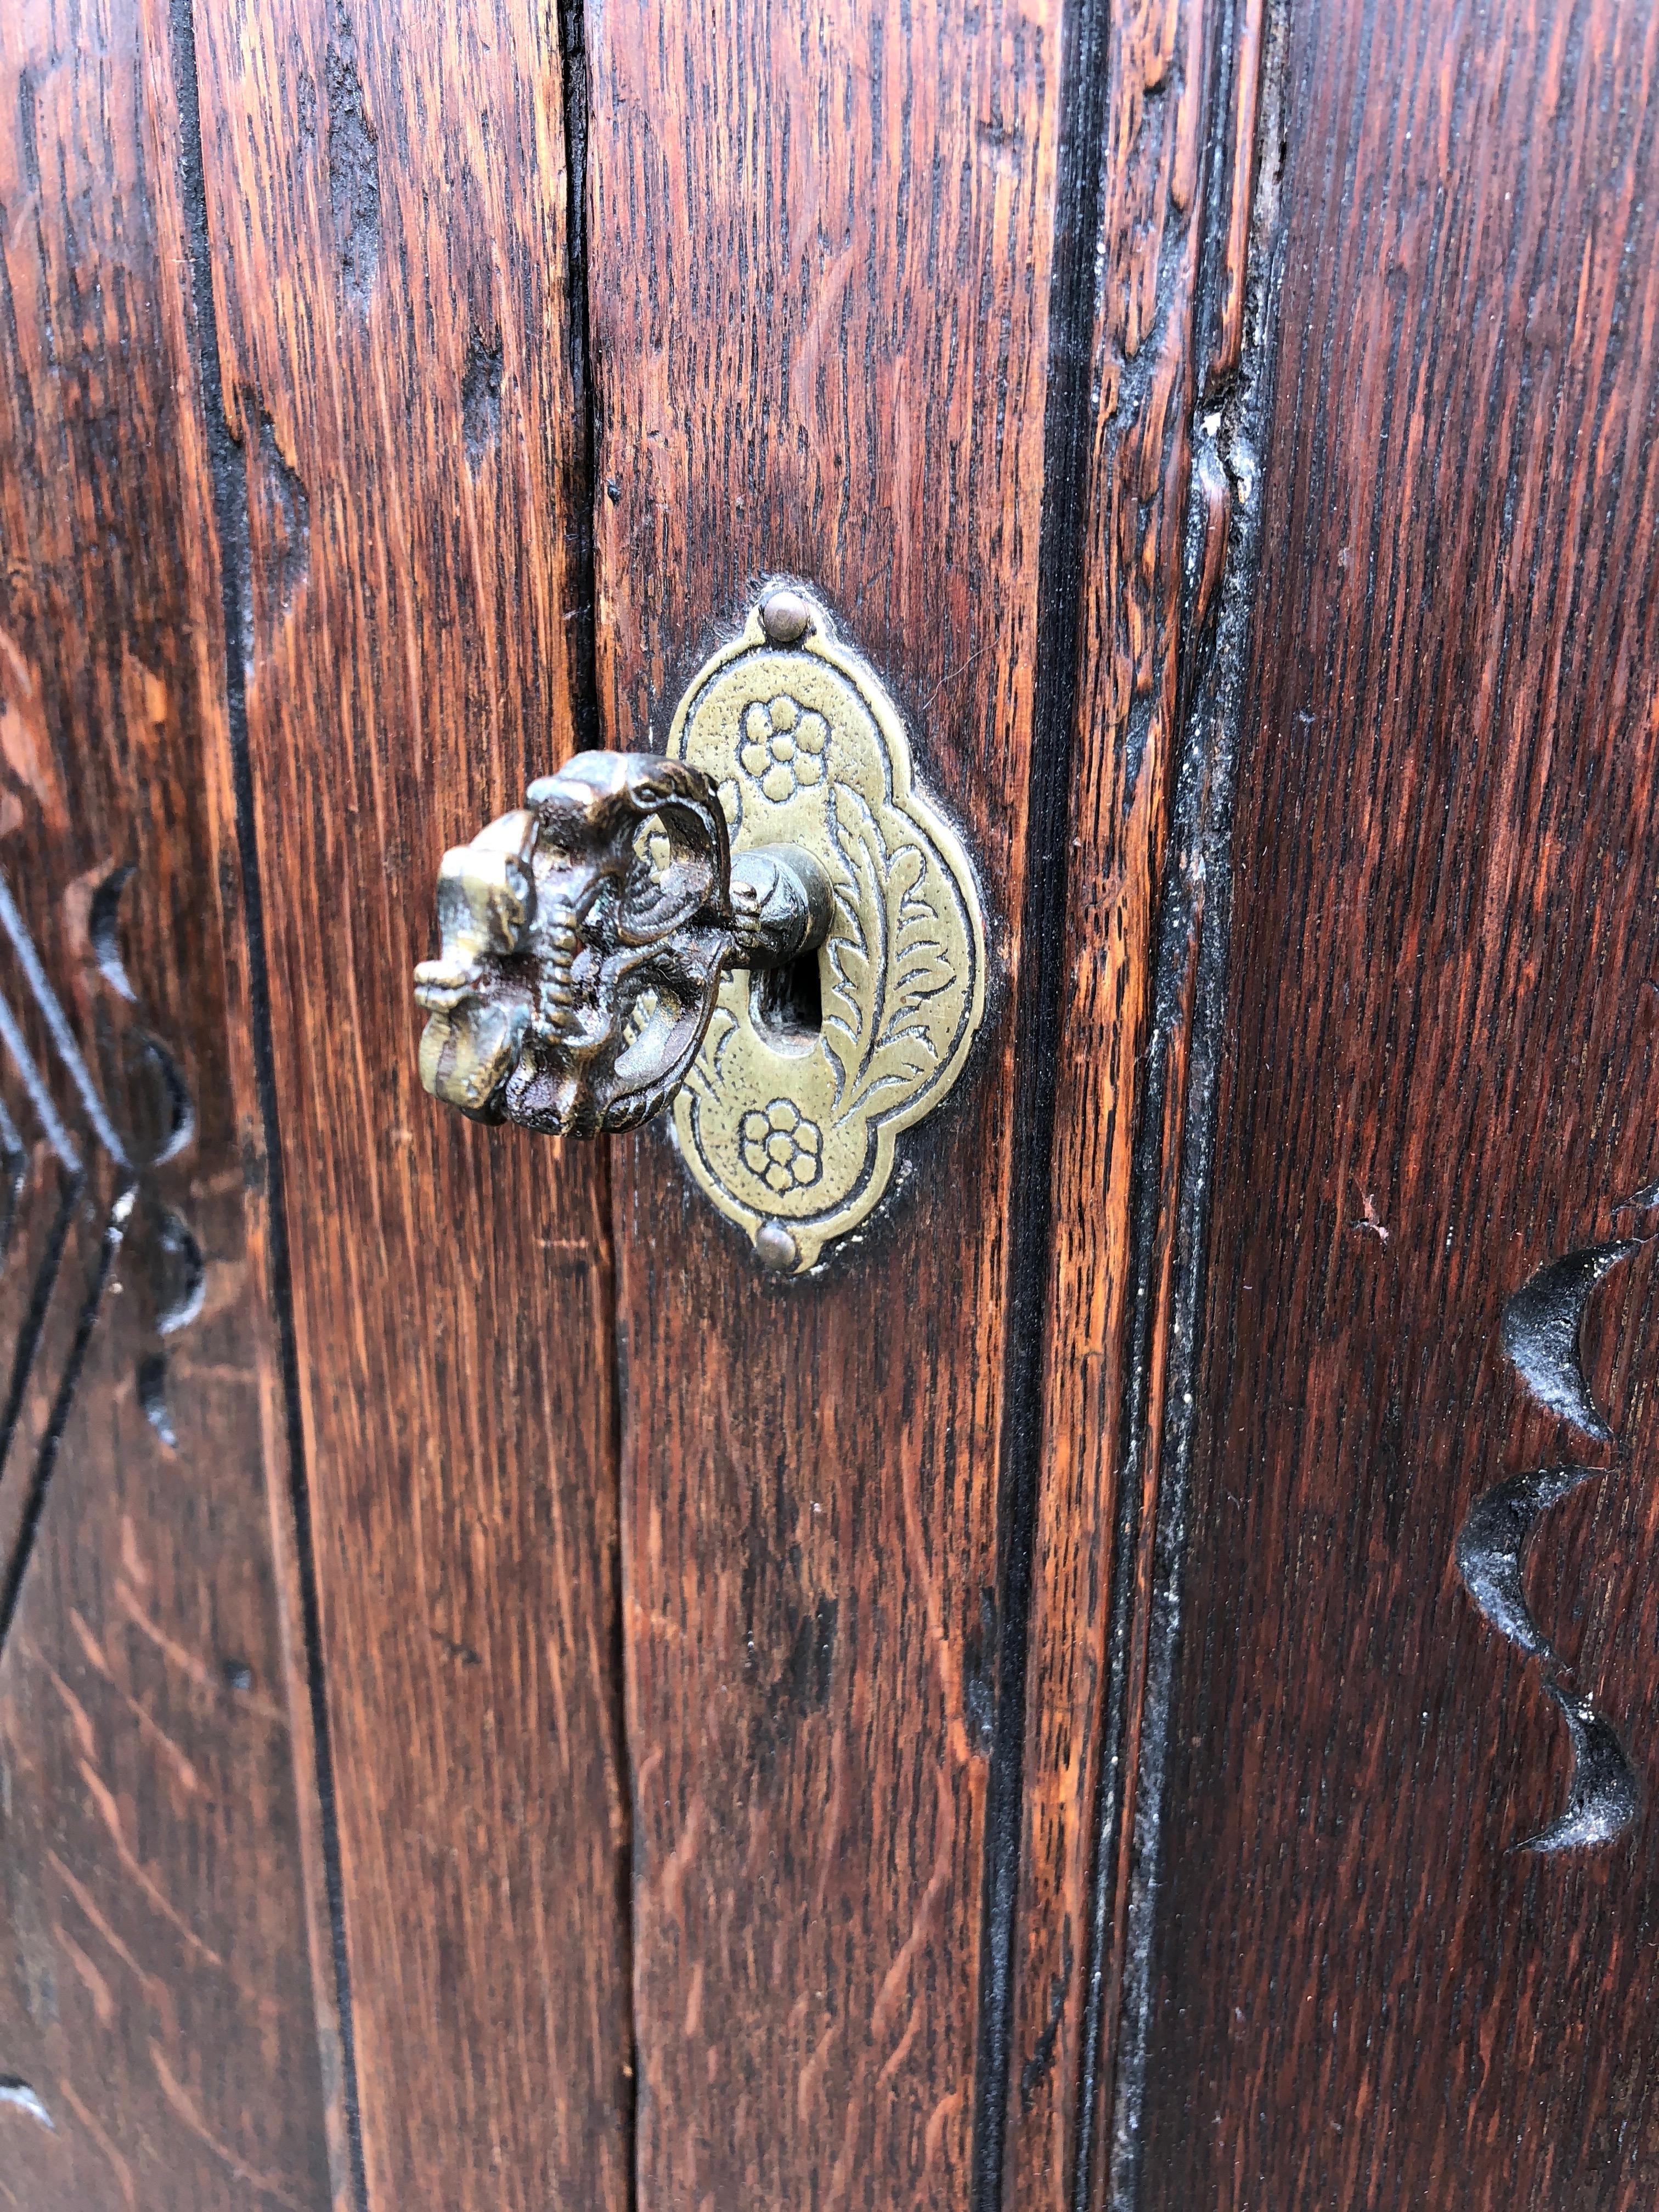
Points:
[(1087, 1603), (820, 298), (1439, 1079), (386, 196), (155, 1785)]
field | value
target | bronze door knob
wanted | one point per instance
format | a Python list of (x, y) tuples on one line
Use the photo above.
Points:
[(769, 926), (585, 936)]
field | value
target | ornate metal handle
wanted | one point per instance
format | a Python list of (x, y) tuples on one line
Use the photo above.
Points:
[(585, 936), (597, 943)]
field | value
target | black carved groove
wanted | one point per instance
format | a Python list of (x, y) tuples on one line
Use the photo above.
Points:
[(1492, 1544), (35, 1317), (182, 1274), (103, 928), (1068, 425), (47, 1458), (153, 1396), (1541, 1333), (18, 2094), (13, 1174), (180, 1270), (178, 1108), (58, 1027), (1602, 1800), (39, 1097)]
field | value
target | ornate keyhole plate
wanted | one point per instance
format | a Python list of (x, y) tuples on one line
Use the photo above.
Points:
[(789, 1115)]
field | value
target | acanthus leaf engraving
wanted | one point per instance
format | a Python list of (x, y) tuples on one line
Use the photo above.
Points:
[(886, 958), (807, 748)]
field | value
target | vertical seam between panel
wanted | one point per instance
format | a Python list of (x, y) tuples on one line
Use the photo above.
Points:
[(588, 734)]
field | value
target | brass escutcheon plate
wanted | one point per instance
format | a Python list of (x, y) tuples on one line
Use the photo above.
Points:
[(788, 1127)]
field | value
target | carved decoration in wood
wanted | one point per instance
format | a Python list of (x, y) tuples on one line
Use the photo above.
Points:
[(1541, 1328), (96, 1172)]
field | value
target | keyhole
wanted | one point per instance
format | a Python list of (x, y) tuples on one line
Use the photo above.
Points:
[(787, 1003)]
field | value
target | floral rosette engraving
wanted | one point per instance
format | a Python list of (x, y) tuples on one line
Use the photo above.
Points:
[(783, 745), (789, 1125), (781, 1146)]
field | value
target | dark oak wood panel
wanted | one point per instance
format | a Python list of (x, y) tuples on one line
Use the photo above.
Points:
[(461, 1619), (1156, 74), (156, 1800), (1440, 1076), (820, 299), (387, 202)]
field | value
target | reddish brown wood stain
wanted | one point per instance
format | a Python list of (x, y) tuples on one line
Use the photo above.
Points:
[(819, 300), (156, 1790), (1122, 756), (386, 189), (1441, 1074), (570, 1459)]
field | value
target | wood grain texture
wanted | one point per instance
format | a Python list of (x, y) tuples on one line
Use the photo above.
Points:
[(156, 1803), (1142, 372), (820, 245), (1440, 1075), (387, 195)]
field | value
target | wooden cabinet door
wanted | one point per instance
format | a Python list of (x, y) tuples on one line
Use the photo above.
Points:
[(1126, 1685)]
